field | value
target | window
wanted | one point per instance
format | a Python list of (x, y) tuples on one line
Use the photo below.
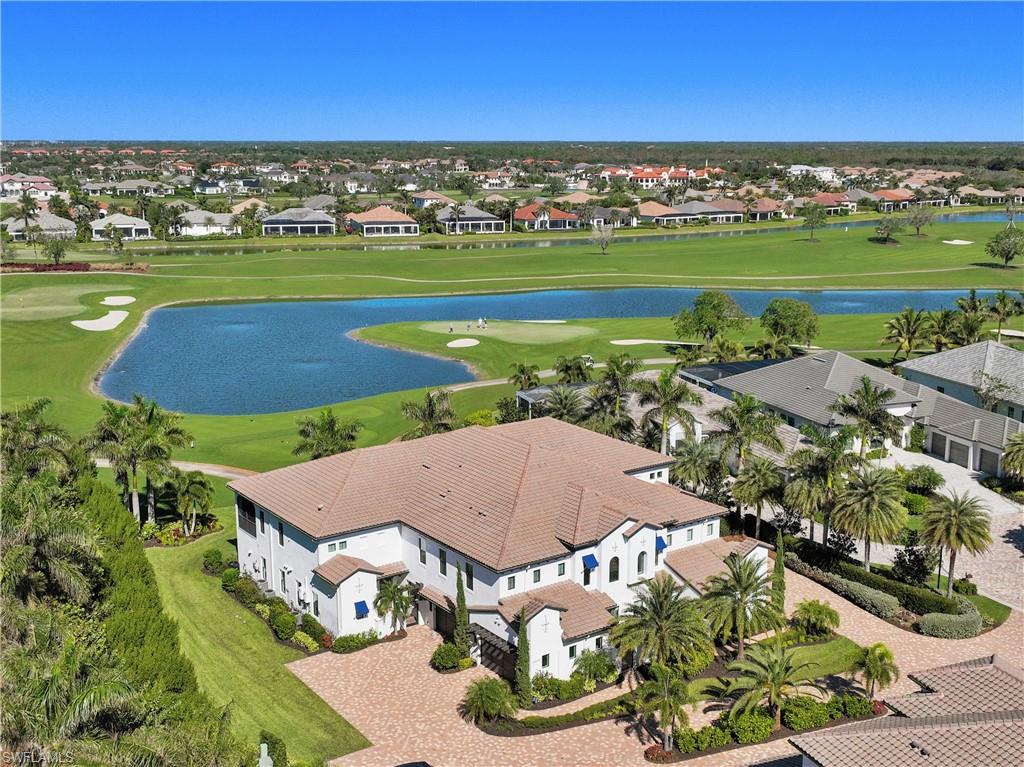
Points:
[(940, 389), (641, 562), (263, 522), (651, 475), (342, 545), (284, 581), (545, 660), (442, 561), (711, 528), (316, 607), (263, 569), (661, 474), (613, 570), (586, 576), (599, 643), (689, 534), (536, 576), (280, 533), (332, 547), (1010, 413), (572, 651), (561, 569), (511, 582), (423, 552), (469, 575), (298, 589), (246, 516)]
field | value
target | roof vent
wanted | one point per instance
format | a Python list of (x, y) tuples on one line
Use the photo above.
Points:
[(924, 752), (913, 744), (319, 507)]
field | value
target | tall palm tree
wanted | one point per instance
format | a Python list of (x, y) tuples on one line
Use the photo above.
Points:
[(878, 667), (723, 350), (941, 329), (954, 522), (820, 471), (666, 693), (325, 434), (866, 406), (565, 404), (744, 424), (406, 197), (28, 443), (457, 210), (395, 599), (758, 483), (572, 370), (694, 461), (26, 208), (510, 210), (661, 626), (972, 304), (620, 377), (668, 395), (768, 677), (524, 376), (908, 330), (193, 495), (435, 415), (1003, 308), (771, 348), (970, 328), (158, 432), (739, 601), (1013, 455), (870, 508)]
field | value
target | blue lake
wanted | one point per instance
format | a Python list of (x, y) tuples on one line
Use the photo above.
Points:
[(235, 359)]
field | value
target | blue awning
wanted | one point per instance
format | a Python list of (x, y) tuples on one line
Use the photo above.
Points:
[(590, 561), (361, 609), (659, 543)]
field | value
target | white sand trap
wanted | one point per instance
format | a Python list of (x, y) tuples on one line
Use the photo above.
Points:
[(958, 242), (107, 322), (462, 343), (641, 341), (118, 300), (545, 322)]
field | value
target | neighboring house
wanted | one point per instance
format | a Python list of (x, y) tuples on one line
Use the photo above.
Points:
[(252, 202), (470, 219), (429, 197), (834, 203), (320, 202), (542, 518), (576, 198), (96, 188), (135, 187), (894, 199), (299, 221), (131, 228), (48, 225), (962, 371), (659, 214), (968, 714), (823, 173), (202, 223), (697, 210), (13, 186), (765, 209), (613, 217), (534, 218), (801, 390), (862, 197), (383, 221)]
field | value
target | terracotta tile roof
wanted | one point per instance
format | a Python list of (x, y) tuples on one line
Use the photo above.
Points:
[(829, 199), (697, 564), (981, 685), (651, 209), (341, 567), (766, 205), (430, 194), (895, 195), (504, 496), (582, 612), (438, 597), (382, 214), (392, 568), (529, 213)]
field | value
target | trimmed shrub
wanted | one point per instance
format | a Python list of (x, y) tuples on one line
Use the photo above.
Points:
[(686, 740), (547, 687), (914, 598), (915, 504), (855, 706), (916, 441), (834, 707), (923, 480), (283, 625), (352, 642), (876, 602), (595, 666), (711, 736), (752, 727), (965, 586), (465, 663), (305, 641), (275, 747), (213, 561), (277, 605), (606, 709), (878, 452), (311, 626), (445, 657), (247, 592), (804, 713), (966, 624), (229, 578), (263, 611), (914, 564), (696, 661)]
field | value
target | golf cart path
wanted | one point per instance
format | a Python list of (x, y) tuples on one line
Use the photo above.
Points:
[(213, 469)]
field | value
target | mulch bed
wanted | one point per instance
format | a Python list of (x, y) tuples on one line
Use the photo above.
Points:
[(544, 705), (502, 729)]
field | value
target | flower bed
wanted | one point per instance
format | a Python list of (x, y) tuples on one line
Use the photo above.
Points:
[(543, 705), (613, 708), (173, 534)]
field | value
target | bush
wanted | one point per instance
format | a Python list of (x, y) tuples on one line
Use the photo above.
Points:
[(327, 641), (149, 531), (283, 625), (657, 754), (305, 641), (352, 642), (445, 657), (311, 626), (916, 441), (277, 606), (263, 611), (710, 736), (619, 706), (814, 619), (878, 452), (213, 561), (914, 598), (855, 706), (805, 713), (696, 661), (487, 699), (247, 592), (229, 578), (752, 727), (964, 625), (547, 687), (876, 602), (595, 666), (465, 663), (915, 504), (914, 564), (923, 480), (965, 586), (275, 747)]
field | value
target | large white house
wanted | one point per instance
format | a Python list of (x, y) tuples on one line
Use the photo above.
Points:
[(202, 223), (544, 519)]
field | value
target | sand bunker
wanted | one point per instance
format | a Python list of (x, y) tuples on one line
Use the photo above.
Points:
[(461, 343), (641, 341), (957, 242), (118, 300), (107, 322)]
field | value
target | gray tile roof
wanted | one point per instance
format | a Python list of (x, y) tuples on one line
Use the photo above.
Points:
[(963, 365), (118, 219), (468, 213), (984, 684), (697, 208), (299, 215), (47, 222), (201, 216), (320, 201)]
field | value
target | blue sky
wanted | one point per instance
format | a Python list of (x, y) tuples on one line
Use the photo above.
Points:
[(492, 71)]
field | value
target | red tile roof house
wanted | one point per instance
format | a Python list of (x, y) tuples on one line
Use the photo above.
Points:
[(765, 209), (834, 203), (564, 526), (532, 217), (383, 221), (893, 199)]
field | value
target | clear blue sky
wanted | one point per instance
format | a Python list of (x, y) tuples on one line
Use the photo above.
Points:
[(479, 71)]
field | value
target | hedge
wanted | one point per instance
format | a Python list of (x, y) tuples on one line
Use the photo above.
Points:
[(445, 657), (966, 624), (965, 587), (352, 642), (283, 625), (914, 598), (603, 710), (805, 713), (916, 504), (752, 727), (707, 737), (876, 602)]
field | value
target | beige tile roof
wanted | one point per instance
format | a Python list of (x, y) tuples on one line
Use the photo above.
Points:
[(582, 612), (382, 214), (392, 568), (984, 684), (341, 567), (438, 597), (503, 496), (698, 564)]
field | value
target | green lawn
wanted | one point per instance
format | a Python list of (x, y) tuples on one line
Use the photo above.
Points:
[(236, 658)]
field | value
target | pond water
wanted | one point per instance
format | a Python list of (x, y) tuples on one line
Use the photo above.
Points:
[(234, 359)]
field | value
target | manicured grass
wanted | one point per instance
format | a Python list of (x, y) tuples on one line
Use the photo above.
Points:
[(236, 658)]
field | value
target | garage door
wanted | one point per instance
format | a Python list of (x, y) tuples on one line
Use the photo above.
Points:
[(989, 462), (959, 453), (939, 445), (444, 622)]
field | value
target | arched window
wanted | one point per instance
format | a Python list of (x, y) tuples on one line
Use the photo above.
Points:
[(613, 570), (641, 563)]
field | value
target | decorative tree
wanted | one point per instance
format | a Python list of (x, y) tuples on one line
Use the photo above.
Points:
[(524, 685), (779, 576), (461, 637)]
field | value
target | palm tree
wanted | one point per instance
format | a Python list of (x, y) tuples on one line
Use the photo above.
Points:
[(158, 432), (970, 328), (666, 693), (744, 424), (866, 406), (723, 350), (434, 415), (572, 370), (954, 522), (768, 677), (487, 699), (406, 197), (878, 667), (193, 494), (457, 210), (1013, 455), (1003, 308), (26, 208), (668, 395), (870, 508), (971, 304), (820, 471), (395, 599), (771, 348), (739, 601), (565, 404), (907, 330), (510, 210), (941, 328), (325, 434), (620, 377), (30, 445), (694, 461), (759, 482), (524, 376), (661, 626)]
